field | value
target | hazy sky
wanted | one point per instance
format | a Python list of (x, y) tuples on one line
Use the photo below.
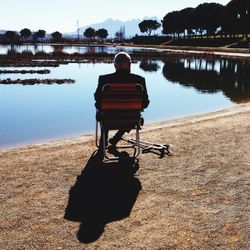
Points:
[(62, 15)]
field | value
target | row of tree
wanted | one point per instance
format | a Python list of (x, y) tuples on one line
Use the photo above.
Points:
[(91, 33), (209, 19), (27, 34), (206, 18)]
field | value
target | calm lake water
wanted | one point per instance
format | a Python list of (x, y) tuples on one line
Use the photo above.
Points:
[(180, 87)]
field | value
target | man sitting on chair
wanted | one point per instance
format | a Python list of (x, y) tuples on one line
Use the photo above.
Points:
[(122, 64)]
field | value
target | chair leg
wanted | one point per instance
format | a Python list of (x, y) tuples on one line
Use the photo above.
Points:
[(137, 144), (96, 134), (101, 142), (104, 140)]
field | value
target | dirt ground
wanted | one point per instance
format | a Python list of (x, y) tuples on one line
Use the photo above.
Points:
[(61, 195)]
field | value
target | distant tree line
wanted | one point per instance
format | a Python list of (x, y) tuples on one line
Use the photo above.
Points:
[(209, 19), (147, 26), (91, 33), (26, 34)]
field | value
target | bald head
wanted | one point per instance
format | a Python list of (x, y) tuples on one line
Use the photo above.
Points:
[(122, 60)]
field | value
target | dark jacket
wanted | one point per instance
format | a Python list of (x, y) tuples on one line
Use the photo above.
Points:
[(120, 76)]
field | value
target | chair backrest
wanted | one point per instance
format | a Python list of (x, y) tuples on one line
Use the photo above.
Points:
[(121, 105)]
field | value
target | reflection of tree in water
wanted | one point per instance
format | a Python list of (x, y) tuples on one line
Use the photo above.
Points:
[(235, 76), (58, 49), (11, 51), (91, 49), (149, 65), (230, 76)]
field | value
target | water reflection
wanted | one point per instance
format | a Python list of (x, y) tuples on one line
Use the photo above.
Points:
[(42, 112), (149, 65), (58, 49), (70, 49), (232, 77)]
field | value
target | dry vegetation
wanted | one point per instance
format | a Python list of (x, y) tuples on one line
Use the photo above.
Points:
[(58, 196)]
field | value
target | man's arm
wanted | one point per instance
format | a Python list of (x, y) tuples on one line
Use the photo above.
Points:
[(145, 95), (97, 93)]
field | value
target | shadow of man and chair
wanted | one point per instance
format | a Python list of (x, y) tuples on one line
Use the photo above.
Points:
[(104, 192)]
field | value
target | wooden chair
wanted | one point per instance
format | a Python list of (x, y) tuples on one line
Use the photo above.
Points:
[(121, 106)]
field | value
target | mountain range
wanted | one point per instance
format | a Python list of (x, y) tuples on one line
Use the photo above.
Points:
[(130, 27)]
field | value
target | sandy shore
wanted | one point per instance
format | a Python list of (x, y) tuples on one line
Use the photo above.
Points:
[(60, 196)]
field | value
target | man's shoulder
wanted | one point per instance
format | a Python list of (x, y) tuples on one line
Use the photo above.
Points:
[(137, 76), (116, 77), (106, 76)]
